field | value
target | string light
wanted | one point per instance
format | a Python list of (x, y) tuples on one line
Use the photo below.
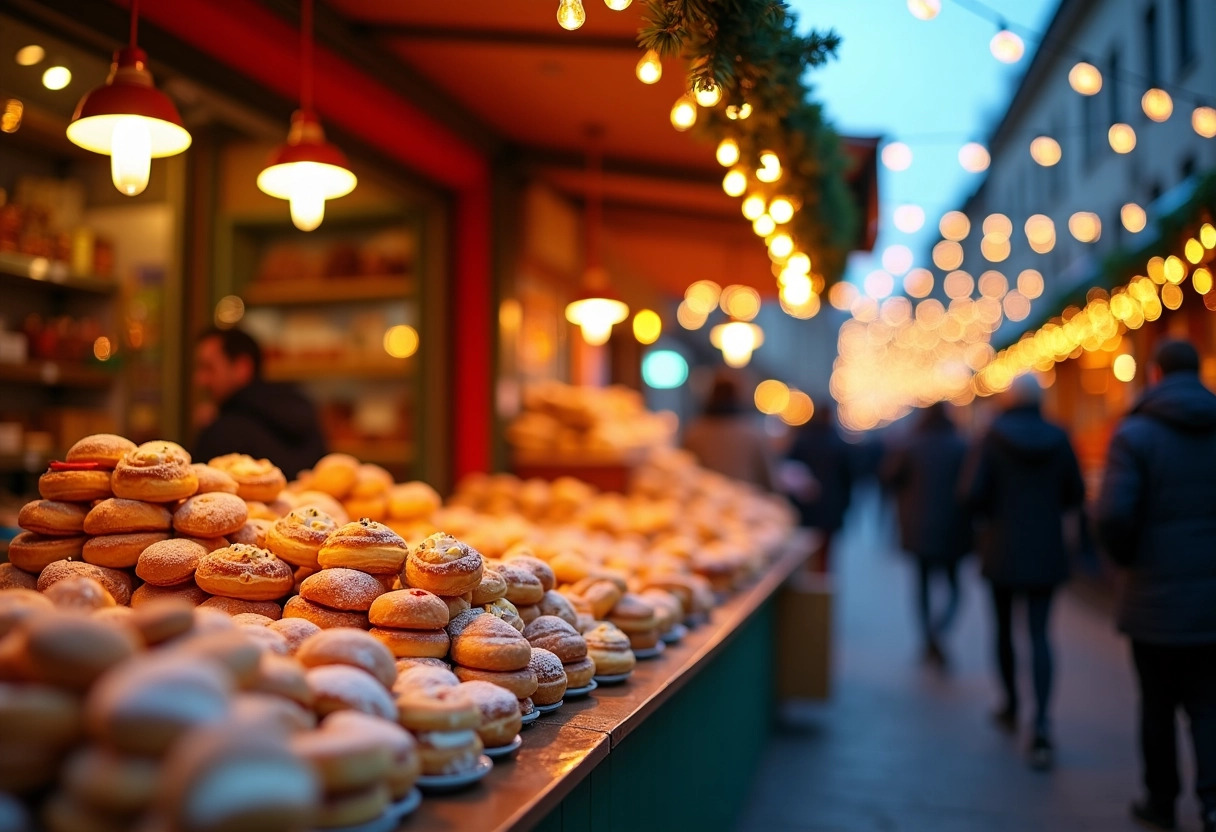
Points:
[(954, 225), (1007, 47), (781, 210), (703, 296), (909, 218), (1085, 78), (1040, 230), (1133, 217), (770, 167), (897, 156), (997, 226), (735, 182), (738, 112), (727, 153), (1122, 138), (879, 284), (753, 207), (925, 9), (974, 157), (771, 397), (764, 225), (1030, 283), (1085, 226), (647, 326), (1193, 251), (897, 259), (780, 246), (570, 14), (1203, 121), (1157, 104), (684, 113), (842, 296), (708, 96), (918, 283), (649, 69), (618, 5), (1045, 151), (1207, 235), (947, 255)]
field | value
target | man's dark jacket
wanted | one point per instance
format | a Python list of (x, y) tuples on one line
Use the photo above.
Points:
[(274, 421), (1023, 479), (923, 471), (1157, 513)]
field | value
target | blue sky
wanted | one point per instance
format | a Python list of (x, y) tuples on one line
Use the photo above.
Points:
[(932, 84)]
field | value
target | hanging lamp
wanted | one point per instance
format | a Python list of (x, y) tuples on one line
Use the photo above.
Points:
[(129, 119), (737, 340), (306, 170), (596, 309)]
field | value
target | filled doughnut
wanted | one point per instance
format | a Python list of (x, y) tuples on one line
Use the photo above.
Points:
[(51, 518)]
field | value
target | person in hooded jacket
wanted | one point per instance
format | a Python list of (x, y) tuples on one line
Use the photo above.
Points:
[(923, 472), (819, 447), (1022, 481), (1156, 518), (251, 416)]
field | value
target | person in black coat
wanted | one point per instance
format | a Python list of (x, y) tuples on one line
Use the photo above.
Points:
[(1156, 518), (819, 446), (923, 472), (251, 416), (1022, 481)]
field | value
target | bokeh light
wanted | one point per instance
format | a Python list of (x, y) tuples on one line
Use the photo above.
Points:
[(897, 259), (1085, 78), (647, 326), (771, 396), (947, 255), (401, 341), (974, 157), (918, 283), (1124, 367), (954, 225), (909, 218), (897, 156), (1133, 217), (1045, 151)]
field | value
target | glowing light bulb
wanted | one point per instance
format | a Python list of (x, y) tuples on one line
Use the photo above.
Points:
[(735, 182), (131, 155), (56, 77), (30, 55), (954, 225), (753, 206), (708, 96), (1203, 121), (781, 246), (1085, 226), (684, 113), (1085, 78), (770, 167), (1007, 47), (1134, 218), (738, 112), (781, 210), (1045, 151), (728, 152), (1122, 138), (617, 5), (763, 225), (974, 157), (649, 69), (595, 317), (307, 203), (909, 218), (897, 156), (1124, 367), (570, 14), (647, 326), (925, 9), (1157, 104), (737, 340), (798, 263)]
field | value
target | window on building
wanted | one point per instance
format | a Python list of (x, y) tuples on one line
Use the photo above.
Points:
[(1184, 35), (1112, 87), (1152, 55)]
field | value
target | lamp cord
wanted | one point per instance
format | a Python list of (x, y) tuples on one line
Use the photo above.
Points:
[(306, 55)]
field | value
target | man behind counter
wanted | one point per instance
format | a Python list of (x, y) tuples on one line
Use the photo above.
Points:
[(249, 415)]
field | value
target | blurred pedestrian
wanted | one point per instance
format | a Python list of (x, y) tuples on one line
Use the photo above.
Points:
[(1022, 482), (244, 413), (727, 438), (1157, 518), (923, 470), (819, 446)]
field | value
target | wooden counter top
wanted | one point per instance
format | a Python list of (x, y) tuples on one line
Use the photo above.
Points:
[(562, 747)]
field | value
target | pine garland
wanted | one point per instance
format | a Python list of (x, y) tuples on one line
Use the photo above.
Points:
[(751, 50)]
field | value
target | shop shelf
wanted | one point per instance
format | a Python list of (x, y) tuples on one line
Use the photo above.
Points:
[(55, 374), (38, 271), (322, 369), (332, 290)]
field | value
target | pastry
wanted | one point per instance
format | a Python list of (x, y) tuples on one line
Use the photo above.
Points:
[(364, 545), (254, 628), (211, 479), (412, 501), (51, 518), (211, 544), (609, 648), (410, 662), (164, 619), (557, 636), (169, 562), (344, 760), (240, 571), (486, 642), (339, 686), (335, 474), (103, 449), (491, 588), (187, 591), (528, 613), (298, 536), (295, 631), (526, 706), (569, 567), (112, 614), (372, 508), (144, 706), (348, 646), (323, 617), (413, 643), (499, 709), (283, 677), (119, 516), (251, 619), (457, 604), (325, 503), (39, 714), (13, 578), (80, 593), (504, 609), (579, 673), (600, 594), (119, 551), (443, 565), (214, 514), (521, 683), (444, 722), (556, 604), (424, 676), (256, 479), (116, 582), (234, 778), (71, 651), (18, 604), (409, 609), (342, 589), (542, 571), (211, 620), (33, 552), (156, 472), (633, 615), (75, 483), (550, 677), (260, 710), (352, 808), (406, 764), (106, 781), (226, 646), (370, 481), (252, 533)]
